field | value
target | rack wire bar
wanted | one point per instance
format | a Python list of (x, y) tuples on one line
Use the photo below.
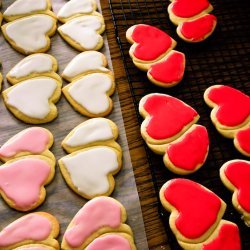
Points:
[(224, 58)]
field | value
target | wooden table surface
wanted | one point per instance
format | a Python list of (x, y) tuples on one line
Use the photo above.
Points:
[(154, 228)]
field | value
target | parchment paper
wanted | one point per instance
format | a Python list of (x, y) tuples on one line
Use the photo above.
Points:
[(61, 201)]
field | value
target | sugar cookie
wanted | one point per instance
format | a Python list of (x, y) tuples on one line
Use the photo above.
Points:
[(34, 228), (235, 175), (35, 247), (23, 8), (97, 217), (242, 141), (84, 32), (30, 34), (93, 132)]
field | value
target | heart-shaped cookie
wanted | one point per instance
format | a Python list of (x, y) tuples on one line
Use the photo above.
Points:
[(31, 141), (32, 101), (83, 33), (89, 172), (242, 141), (22, 8), (35, 228), (33, 66), (93, 132), (98, 216), (85, 63), (195, 210), (22, 181), (235, 175), (169, 71), (89, 95), (166, 118), (30, 34), (189, 152), (75, 8), (225, 237)]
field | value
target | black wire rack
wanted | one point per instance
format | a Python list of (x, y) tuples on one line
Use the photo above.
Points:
[(221, 59)]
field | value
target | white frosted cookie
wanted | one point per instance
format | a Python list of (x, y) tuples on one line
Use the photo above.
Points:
[(93, 132), (33, 101), (83, 33), (22, 8), (30, 34), (89, 172), (90, 94), (85, 63), (75, 8), (33, 66)]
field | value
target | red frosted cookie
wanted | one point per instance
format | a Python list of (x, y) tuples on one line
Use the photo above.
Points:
[(36, 228), (242, 141), (151, 51), (235, 175), (192, 18), (195, 210)]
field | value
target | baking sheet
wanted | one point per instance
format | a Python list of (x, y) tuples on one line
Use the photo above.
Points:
[(61, 201)]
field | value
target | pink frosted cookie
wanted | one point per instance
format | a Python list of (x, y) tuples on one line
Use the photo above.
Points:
[(169, 130), (192, 18), (152, 51), (235, 175), (230, 114), (36, 228), (96, 218)]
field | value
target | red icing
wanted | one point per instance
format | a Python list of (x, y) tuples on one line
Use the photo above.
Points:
[(238, 173), (198, 208), (227, 239), (169, 115), (170, 70), (199, 28), (188, 8), (191, 151), (243, 138), (234, 106), (152, 42)]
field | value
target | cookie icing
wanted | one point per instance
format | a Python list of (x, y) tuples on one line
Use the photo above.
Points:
[(151, 42), (31, 96), (197, 207), (21, 180), (76, 7), (29, 32), (243, 139), (93, 130), (34, 140), (90, 92), (97, 213), (89, 169), (29, 227), (20, 7), (85, 62), (109, 241), (37, 63), (168, 116), (83, 30)]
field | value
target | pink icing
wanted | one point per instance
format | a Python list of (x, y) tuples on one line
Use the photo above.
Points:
[(33, 140), (21, 180), (29, 227), (95, 214), (109, 242)]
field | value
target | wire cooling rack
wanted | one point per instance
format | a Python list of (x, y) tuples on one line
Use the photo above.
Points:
[(221, 59)]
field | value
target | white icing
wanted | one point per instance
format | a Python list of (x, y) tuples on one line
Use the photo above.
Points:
[(90, 92), (76, 7), (29, 33), (20, 7), (93, 130), (84, 62), (89, 169), (82, 30), (38, 63), (31, 96)]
